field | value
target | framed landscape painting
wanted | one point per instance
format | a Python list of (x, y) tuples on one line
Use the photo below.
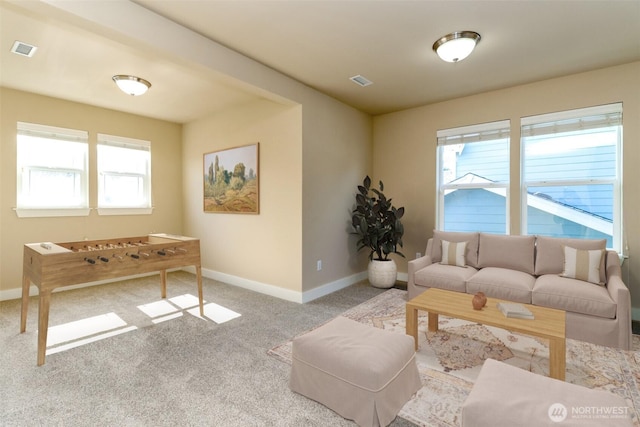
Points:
[(231, 180)]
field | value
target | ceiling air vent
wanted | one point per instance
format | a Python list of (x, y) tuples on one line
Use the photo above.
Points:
[(23, 49), (360, 80)]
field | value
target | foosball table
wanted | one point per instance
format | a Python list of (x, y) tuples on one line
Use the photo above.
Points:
[(53, 265)]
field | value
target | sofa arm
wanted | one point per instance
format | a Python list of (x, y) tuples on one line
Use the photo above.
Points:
[(414, 265), (619, 292)]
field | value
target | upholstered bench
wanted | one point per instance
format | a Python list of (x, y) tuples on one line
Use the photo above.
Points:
[(504, 395), (361, 372)]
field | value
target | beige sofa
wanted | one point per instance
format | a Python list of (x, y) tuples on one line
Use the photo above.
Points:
[(545, 271)]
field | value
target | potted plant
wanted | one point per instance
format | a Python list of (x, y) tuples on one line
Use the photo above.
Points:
[(377, 224)]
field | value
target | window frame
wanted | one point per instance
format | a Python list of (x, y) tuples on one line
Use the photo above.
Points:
[(526, 123), (132, 144), (52, 133), (489, 131)]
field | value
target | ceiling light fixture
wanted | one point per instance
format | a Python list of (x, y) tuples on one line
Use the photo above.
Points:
[(131, 85), (456, 46)]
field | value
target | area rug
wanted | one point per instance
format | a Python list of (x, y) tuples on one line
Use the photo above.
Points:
[(449, 360)]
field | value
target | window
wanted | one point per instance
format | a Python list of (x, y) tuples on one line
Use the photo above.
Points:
[(52, 178), (571, 174), (124, 175), (473, 178)]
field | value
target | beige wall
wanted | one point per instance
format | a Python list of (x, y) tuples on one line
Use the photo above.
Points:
[(337, 155), (405, 147), (263, 249), (311, 159), (166, 153)]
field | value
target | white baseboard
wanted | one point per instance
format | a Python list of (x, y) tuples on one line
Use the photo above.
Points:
[(331, 287), (285, 294)]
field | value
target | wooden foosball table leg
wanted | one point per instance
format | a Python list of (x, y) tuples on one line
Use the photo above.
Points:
[(200, 296), (43, 325), (26, 282), (163, 283)]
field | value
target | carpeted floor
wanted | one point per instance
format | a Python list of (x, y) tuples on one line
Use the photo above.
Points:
[(184, 370), (450, 360)]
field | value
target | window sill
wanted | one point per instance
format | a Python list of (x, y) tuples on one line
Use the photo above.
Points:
[(45, 213), (125, 211)]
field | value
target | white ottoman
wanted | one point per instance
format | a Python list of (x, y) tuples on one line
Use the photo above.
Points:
[(504, 395), (363, 373)]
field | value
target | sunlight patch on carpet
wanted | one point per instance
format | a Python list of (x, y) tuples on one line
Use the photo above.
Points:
[(215, 312), (185, 301), (81, 332), (158, 308), (83, 328), (167, 317), (163, 310)]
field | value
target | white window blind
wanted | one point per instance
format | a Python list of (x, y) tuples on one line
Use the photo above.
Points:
[(474, 133), (573, 120)]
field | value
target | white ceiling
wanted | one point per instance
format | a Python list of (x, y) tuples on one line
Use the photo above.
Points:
[(321, 44)]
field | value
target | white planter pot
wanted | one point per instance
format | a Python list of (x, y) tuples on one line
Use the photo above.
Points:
[(382, 274)]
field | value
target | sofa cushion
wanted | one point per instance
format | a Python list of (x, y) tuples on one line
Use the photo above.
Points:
[(444, 277), (583, 264), (514, 252), (453, 253), (550, 255), (577, 296), (502, 283), (471, 253)]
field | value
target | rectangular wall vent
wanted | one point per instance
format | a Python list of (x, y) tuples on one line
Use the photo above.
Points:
[(360, 80), (24, 49)]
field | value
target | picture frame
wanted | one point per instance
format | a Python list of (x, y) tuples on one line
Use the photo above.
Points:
[(231, 180)]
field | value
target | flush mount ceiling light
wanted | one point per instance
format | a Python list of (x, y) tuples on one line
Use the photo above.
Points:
[(456, 46), (131, 85)]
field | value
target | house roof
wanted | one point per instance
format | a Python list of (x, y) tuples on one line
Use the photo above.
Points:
[(541, 202)]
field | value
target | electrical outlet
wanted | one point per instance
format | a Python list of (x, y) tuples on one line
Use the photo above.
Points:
[(418, 255), (319, 265)]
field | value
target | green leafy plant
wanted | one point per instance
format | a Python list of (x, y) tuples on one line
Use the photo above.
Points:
[(377, 222)]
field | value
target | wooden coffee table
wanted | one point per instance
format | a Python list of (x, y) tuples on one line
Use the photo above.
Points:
[(549, 323)]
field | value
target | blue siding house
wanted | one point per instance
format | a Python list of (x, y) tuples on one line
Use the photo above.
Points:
[(578, 210)]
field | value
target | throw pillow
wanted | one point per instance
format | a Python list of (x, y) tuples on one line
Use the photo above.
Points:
[(582, 264), (453, 253), (472, 239)]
